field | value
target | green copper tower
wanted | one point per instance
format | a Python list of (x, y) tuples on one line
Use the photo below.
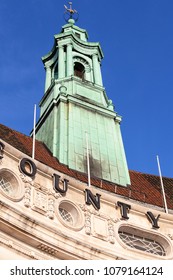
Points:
[(75, 105)]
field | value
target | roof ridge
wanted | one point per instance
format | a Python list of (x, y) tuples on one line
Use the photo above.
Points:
[(149, 174)]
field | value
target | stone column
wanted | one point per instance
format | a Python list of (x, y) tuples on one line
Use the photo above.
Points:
[(48, 78), (61, 63), (70, 70), (55, 133), (97, 70)]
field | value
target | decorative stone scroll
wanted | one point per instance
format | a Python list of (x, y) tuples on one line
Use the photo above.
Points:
[(170, 236), (88, 222), (27, 195), (87, 214), (26, 179), (51, 208), (111, 231)]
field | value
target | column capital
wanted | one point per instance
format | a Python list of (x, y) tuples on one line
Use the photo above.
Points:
[(94, 55), (47, 65), (69, 44)]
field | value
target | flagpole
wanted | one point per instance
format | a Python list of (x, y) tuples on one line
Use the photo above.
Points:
[(88, 161), (33, 141), (161, 181)]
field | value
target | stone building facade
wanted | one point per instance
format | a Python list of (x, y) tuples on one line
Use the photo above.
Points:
[(48, 208)]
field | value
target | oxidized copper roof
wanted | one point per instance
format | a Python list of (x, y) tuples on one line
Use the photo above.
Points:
[(144, 187)]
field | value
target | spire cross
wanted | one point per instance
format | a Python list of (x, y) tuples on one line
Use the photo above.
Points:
[(70, 10), (70, 14)]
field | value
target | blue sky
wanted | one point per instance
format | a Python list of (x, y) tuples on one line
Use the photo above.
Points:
[(137, 41)]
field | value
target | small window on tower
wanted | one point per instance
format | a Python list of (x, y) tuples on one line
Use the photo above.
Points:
[(79, 70)]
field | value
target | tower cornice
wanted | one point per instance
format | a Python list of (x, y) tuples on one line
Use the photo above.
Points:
[(78, 37)]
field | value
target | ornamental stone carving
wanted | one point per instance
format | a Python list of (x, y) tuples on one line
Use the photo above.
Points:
[(170, 236), (111, 232), (40, 201), (87, 223), (51, 208), (54, 194), (27, 196), (2, 146), (26, 179)]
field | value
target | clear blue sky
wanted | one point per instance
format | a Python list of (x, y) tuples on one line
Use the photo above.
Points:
[(137, 41)]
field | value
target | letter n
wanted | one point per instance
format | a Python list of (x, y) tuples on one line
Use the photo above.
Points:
[(90, 198)]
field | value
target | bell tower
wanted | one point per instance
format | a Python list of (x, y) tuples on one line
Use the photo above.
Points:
[(75, 104)]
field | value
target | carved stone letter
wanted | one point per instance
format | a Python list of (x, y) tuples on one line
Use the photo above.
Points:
[(33, 168), (124, 209), (92, 199), (153, 219), (56, 186)]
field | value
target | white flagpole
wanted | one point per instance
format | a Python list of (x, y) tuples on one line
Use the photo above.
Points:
[(33, 141), (88, 161), (161, 181)]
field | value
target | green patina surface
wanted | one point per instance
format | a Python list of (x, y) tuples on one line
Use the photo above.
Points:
[(74, 105)]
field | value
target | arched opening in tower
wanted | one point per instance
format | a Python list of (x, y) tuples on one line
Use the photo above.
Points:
[(79, 70)]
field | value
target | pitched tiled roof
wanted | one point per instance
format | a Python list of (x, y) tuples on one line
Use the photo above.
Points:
[(145, 188)]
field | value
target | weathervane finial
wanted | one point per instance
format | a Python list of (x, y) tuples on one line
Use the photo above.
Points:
[(70, 14)]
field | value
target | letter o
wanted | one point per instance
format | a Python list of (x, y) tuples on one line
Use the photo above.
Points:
[(33, 168)]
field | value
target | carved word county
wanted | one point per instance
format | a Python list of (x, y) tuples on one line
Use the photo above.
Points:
[(90, 198)]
